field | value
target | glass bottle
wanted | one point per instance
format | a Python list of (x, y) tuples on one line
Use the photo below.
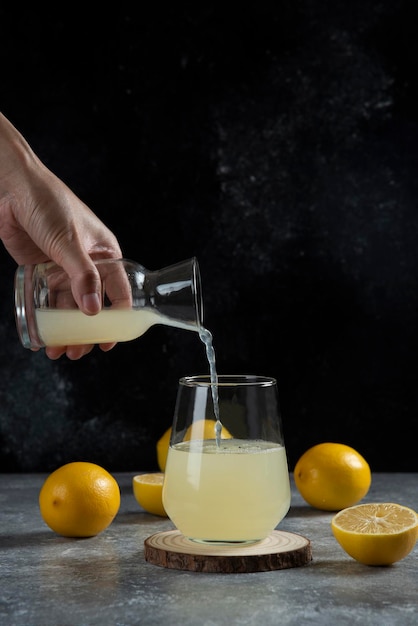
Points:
[(133, 299)]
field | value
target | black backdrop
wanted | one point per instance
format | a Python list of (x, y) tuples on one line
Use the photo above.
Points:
[(277, 142)]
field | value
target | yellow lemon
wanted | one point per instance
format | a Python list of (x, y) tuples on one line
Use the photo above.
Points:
[(79, 499), (205, 429), (376, 534), (162, 449), (200, 429), (148, 492), (332, 476)]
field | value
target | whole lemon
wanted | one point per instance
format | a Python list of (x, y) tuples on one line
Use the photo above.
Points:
[(200, 429), (332, 476), (79, 499)]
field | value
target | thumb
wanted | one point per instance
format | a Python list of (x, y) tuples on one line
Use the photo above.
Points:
[(86, 284)]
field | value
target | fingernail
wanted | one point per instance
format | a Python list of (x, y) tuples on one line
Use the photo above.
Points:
[(91, 302)]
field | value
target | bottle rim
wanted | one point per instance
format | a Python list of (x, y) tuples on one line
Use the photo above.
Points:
[(20, 309)]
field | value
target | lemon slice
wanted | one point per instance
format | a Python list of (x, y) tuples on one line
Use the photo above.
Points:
[(380, 533), (148, 492)]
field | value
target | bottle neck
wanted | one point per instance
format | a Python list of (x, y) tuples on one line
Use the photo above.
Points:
[(175, 292)]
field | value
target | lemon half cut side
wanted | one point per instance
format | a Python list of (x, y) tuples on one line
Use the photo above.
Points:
[(379, 533), (148, 492)]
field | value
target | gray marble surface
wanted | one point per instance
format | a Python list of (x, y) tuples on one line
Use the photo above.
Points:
[(50, 580)]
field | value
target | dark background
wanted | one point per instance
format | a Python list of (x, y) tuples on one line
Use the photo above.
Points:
[(277, 142)]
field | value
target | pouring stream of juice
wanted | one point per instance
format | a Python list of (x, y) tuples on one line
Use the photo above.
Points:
[(206, 337)]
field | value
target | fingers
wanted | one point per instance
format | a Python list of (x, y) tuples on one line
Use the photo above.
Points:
[(85, 280), (74, 353), (90, 303), (77, 239), (105, 347)]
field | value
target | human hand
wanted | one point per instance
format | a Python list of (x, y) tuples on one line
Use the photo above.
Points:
[(42, 219)]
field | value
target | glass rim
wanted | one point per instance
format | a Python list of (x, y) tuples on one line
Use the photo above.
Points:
[(228, 380)]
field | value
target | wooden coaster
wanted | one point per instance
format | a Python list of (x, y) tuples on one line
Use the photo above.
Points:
[(280, 550)]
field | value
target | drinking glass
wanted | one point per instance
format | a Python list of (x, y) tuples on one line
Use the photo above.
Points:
[(226, 480)]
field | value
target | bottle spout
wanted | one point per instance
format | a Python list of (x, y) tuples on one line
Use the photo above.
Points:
[(176, 293)]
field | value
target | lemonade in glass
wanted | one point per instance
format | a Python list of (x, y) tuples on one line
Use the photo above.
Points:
[(227, 490)]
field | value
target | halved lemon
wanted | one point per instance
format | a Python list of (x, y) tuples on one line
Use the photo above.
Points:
[(148, 492), (380, 533)]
